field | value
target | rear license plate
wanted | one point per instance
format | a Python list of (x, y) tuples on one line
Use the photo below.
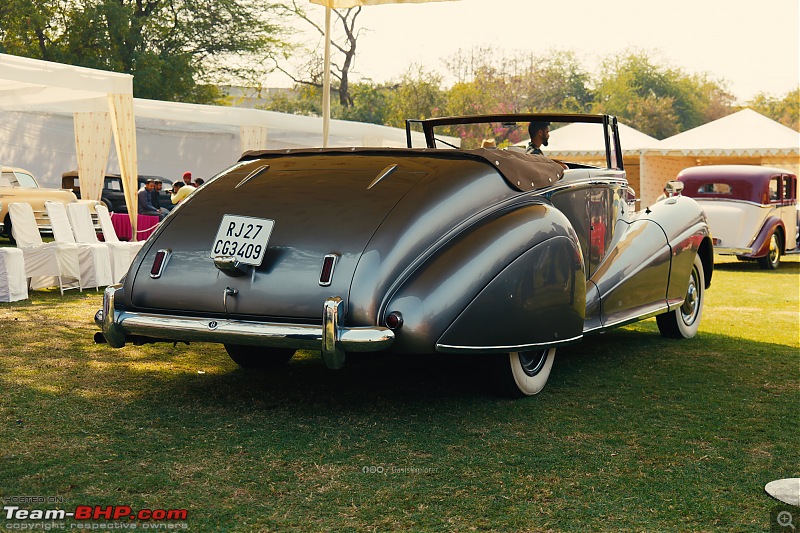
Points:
[(243, 238)]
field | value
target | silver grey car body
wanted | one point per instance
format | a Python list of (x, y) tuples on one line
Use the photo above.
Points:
[(417, 250)]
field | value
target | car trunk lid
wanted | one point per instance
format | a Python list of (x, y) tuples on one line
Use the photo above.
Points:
[(321, 205)]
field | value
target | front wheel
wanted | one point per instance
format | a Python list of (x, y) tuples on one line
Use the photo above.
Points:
[(773, 257), (524, 374), (258, 357), (683, 322)]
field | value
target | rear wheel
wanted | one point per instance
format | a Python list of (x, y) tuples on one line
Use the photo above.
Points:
[(773, 257), (524, 373), (258, 357), (683, 322)]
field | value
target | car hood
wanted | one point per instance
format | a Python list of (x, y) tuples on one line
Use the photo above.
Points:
[(378, 210)]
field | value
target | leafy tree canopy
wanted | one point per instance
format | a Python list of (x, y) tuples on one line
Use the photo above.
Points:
[(176, 49), (784, 110), (657, 100)]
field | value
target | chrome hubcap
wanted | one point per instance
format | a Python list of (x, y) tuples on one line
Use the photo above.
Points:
[(773, 249), (692, 301), (532, 362)]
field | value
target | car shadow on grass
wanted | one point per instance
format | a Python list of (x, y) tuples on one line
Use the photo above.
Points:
[(599, 362)]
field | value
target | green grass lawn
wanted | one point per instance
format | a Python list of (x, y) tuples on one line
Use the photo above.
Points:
[(632, 433)]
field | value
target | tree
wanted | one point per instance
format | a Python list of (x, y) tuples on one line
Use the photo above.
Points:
[(657, 100), (175, 48), (517, 82), (785, 110), (29, 28), (310, 73), (370, 104), (301, 100), (418, 94)]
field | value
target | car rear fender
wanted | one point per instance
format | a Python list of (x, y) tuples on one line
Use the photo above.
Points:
[(502, 282), (760, 245)]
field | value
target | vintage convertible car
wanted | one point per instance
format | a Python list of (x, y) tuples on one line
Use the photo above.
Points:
[(416, 251), (752, 210)]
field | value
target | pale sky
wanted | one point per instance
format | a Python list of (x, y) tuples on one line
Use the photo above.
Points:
[(754, 46)]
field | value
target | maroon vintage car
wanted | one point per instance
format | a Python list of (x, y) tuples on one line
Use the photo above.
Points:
[(752, 210)]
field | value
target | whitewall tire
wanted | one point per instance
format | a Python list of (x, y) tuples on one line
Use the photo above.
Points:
[(525, 373)]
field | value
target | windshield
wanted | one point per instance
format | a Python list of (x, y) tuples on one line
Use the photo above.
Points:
[(18, 179), (593, 138)]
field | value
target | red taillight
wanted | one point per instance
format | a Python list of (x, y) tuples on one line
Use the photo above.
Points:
[(159, 263), (326, 274), (394, 320)]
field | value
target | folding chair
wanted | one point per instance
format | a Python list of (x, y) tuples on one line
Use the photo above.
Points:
[(122, 253), (94, 259), (46, 264)]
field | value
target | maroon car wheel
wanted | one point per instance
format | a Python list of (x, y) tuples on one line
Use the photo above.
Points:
[(772, 260)]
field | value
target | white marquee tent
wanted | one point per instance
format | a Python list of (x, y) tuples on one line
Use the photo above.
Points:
[(745, 137), (586, 140), (100, 103)]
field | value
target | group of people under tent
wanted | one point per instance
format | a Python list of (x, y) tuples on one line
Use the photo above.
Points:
[(150, 194)]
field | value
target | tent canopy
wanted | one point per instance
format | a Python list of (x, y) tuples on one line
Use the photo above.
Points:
[(740, 134), (101, 103), (581, 139), (32, 85)]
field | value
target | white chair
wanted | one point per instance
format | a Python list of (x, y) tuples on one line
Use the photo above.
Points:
[(94, 259), (122, 253), (46, 264), (13, 285)]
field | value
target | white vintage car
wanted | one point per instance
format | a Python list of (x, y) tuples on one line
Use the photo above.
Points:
[(752, 210)]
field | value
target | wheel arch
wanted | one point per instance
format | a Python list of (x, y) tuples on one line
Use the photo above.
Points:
[(760, 245), (706, 253), (441, 290)]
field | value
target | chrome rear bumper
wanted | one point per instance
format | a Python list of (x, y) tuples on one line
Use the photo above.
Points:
[(331, 338)]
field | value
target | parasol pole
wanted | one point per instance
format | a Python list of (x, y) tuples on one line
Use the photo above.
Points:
[(326, 81)]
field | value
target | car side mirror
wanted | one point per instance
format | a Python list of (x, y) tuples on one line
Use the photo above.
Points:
[(673, 188)]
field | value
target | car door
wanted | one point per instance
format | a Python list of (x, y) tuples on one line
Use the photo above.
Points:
[(788, 209)]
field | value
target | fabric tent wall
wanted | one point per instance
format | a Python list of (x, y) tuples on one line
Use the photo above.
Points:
[(44, 143), (169, 144)]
